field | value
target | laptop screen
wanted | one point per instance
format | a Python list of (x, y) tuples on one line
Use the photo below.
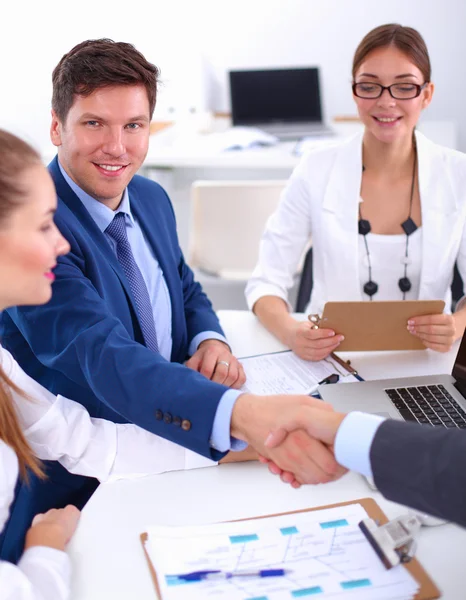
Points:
[(459, 368), (275, 96)]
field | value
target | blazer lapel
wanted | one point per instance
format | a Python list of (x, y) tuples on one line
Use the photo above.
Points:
[(438, 208), (340, 222), (157, 236), (69, 198)]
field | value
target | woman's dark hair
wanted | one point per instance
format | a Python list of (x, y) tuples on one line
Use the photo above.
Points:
[(406, 39)]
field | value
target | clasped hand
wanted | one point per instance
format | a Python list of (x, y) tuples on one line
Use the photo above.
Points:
[(214, 360), (310, 343), (292, 452), (437, 332), (319, 422)]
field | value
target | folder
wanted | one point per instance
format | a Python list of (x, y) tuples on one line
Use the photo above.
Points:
[(427, 588), (377, 325)]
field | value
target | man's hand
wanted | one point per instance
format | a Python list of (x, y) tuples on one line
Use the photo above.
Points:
[(214, 360), (321, 425), (308, 460)]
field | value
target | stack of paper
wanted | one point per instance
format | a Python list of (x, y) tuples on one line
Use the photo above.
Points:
[(286, 373), (324, 551)]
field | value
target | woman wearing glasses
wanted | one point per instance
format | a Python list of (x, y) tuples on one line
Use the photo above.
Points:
[(385, 210)]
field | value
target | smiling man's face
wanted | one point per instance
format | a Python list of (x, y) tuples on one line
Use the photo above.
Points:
[(104, 140)]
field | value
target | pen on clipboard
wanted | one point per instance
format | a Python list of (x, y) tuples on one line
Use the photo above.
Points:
[(346, 365), (333, 378), (315, 320), (212, 575)]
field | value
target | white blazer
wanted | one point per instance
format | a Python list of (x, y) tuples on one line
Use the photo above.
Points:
[(320, 202)]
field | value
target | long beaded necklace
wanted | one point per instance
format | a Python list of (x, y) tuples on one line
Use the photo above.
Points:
[(409, 227)]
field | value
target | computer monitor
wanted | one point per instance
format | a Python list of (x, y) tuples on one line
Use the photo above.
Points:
[(275, 96)]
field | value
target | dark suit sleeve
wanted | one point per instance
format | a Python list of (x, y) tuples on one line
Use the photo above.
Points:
[(76, 335), (423, 467)]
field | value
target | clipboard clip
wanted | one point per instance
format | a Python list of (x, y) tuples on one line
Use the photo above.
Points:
[(394, 542), (315, 320)]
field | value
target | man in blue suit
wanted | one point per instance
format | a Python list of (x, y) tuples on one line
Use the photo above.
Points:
[(126, 312)]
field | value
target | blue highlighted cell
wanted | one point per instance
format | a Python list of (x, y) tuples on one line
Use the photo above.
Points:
[(307, 592), (241, 539), (173, 580), (259, 598), (333, 524), (289, 530), (357, 583)]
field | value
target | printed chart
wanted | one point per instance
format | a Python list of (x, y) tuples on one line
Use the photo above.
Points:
[(324, 553)]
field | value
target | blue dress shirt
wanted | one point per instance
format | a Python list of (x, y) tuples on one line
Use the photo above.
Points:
[(354, 440), (160, 300)]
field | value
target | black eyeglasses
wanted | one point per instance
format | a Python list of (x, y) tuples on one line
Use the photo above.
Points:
[(399, 91)]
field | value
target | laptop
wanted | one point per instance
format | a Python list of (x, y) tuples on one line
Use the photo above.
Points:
[(436, 400), (285, 103)]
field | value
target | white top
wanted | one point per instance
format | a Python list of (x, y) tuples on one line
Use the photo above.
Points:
[(320, 206), (387, 258), (60, 429)]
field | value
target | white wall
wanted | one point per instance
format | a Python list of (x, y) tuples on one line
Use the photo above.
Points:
[(183, 36)]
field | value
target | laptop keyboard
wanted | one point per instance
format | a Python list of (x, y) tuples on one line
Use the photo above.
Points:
[(429, 405)]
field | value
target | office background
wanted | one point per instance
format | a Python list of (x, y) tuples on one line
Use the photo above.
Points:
[(195, 43)]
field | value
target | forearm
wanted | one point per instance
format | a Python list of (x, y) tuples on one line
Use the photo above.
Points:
[(243, 456), (273, 313), (48, 535)]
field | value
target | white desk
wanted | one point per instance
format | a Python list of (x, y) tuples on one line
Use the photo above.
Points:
[(178, 148), (106, 552)]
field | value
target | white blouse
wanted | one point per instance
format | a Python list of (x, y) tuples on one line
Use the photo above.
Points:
[(387, 256), (320, 205), (60, 429)]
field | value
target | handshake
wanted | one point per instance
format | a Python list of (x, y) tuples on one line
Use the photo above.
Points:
[(294, 435)]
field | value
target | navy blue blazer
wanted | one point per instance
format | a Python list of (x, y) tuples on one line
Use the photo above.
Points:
[(87, 343)]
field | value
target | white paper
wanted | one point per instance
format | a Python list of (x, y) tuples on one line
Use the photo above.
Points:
[(286, 373), (325, 550)]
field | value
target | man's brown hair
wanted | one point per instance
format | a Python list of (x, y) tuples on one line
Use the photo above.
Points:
[(406, 39), (96, 64)]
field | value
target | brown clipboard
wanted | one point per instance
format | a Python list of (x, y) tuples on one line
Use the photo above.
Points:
[(427, 588), (377, 325)]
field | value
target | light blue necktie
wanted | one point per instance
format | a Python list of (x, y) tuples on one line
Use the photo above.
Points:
[(117, 231)]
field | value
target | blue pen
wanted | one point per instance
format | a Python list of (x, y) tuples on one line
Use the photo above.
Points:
[(212, 575)]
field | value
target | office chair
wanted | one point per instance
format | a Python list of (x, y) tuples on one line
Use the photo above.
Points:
[(228, 220), (305, 285)]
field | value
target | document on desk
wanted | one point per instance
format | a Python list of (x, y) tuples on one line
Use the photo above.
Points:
[(286, 373), (324, 553)]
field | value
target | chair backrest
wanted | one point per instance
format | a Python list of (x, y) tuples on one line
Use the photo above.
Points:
[(227, 222)]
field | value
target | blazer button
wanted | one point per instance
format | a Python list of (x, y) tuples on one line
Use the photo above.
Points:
[(158, 415), (167, 418), (177, 421), (185, 424)]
